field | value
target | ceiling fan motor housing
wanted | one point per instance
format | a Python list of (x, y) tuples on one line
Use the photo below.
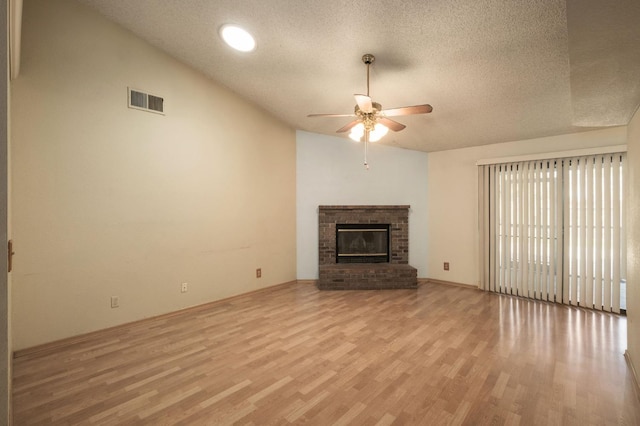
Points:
[(375, 108), (369, 118)]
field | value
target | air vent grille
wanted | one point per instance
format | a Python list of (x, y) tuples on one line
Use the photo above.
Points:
[(156, 103), (145, 101)]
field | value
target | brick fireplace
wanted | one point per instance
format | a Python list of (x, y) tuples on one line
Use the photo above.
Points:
[(394, 272)]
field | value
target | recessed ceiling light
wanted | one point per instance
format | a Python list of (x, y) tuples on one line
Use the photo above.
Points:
[(238, 38)]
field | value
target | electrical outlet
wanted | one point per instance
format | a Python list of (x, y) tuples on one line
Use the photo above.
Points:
[(259, 273), (184, 288), (446, 266), (115, 302)]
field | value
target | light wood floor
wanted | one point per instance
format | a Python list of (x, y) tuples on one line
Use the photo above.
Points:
[(438, 355)]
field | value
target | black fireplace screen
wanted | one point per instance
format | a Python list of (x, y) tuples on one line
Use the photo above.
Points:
[(362, 243)]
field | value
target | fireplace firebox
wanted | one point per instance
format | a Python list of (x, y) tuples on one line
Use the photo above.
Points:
[(362, 243)]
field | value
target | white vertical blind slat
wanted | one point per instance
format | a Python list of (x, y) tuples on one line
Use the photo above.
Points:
[(615, 268), (500, 230), (553, 238), (521, 228), (544, 231), (607, 207), (492, 229), (535, 231), (542, 205), (514, 230), (481, 224), (588, 225), (526, 252), (517, 207), (559, 232), (582, 247), (508, 220), (566, 250), (597, 256), (574, 232), (503, 229), (623, 220)]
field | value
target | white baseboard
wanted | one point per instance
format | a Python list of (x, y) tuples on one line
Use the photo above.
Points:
[(432, 280), (634, 372)]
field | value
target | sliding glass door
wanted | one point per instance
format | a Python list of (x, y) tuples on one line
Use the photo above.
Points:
[(554, 230)]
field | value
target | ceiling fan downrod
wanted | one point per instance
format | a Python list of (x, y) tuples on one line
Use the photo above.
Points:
[(368, 59)]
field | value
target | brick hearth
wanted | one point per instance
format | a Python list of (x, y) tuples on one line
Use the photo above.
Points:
[(395, 274)]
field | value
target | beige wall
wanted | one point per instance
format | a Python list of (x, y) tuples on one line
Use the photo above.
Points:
[(5, 232), (633, 243), (452, 231), (113, 201)]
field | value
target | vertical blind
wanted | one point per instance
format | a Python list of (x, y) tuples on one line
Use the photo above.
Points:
[(553, 230)]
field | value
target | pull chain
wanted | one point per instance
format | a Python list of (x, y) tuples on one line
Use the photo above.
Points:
[(366, 145)]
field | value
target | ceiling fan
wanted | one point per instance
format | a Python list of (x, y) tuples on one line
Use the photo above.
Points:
[(372, 122)]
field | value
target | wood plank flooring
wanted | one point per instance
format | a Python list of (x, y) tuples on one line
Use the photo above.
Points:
[(293, 354)]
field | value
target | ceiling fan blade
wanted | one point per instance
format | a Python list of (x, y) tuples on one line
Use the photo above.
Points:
[(331, 115), (364, 102), (391, 124), (348, 127), (408, 110)]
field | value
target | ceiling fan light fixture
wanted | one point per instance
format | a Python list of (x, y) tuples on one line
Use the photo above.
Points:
[(357, 132), (369, 116), (378, 132), (238, 38)]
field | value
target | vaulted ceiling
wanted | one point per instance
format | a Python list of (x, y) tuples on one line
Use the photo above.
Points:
[(493, 70)]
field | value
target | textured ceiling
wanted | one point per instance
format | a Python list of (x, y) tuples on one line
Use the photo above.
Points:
[(493, 70)]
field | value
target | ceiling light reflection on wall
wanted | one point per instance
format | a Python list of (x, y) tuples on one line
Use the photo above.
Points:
[(238, 38)]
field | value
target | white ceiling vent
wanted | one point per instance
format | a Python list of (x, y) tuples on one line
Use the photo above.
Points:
[(145, 101)]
